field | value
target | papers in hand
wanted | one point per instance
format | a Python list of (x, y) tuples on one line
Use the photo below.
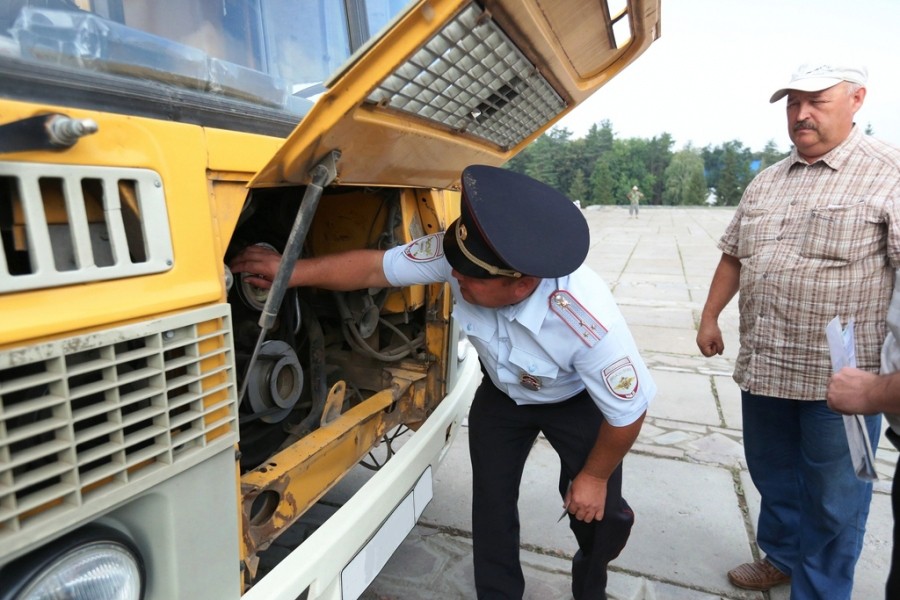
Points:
[(843, 354)]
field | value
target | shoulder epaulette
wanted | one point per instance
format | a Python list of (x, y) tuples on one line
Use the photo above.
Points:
[(584, 324)]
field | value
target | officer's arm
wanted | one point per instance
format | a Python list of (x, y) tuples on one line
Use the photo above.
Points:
[(587, 496), (725, 284), (345, 271)]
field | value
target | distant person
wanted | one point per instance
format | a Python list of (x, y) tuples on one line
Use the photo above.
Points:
[(634, 200), (558, 356), (853, 391), (816, 235)]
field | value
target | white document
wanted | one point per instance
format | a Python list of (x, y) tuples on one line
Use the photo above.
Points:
[(843, 354)]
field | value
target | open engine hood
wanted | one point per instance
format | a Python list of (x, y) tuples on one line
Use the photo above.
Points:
[(456, 82)]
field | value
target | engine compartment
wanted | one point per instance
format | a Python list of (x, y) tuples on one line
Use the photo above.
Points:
[(322, 338)]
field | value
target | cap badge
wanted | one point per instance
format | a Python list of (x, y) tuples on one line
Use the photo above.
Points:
[(462, 231), (530, 381)]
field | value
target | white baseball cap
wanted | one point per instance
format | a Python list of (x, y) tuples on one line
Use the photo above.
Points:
[(815, 77)]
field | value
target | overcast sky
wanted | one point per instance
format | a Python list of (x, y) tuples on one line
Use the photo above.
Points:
[(708, 79)]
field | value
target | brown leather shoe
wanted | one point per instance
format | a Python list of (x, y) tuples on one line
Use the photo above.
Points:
[(760, 575)]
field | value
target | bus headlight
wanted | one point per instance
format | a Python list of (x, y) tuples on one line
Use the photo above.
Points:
[(95, 563)]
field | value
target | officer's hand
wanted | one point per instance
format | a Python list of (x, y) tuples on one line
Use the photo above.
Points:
[(709, 338), (259, 263), (586, 498), (847, 391)]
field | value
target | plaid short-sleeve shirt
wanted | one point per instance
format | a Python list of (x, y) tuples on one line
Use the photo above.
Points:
[(815, 241)]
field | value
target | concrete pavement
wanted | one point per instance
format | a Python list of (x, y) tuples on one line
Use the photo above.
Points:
[(686, 477)]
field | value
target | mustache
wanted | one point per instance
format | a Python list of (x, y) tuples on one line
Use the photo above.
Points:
[(805, 124)]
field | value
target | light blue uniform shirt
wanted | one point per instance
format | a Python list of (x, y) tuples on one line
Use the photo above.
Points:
[(539, 343)]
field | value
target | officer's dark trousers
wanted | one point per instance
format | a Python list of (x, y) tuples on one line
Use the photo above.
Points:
[(501, 435), (892, 591)]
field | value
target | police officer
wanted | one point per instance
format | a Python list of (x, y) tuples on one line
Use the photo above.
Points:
[(557, 354)]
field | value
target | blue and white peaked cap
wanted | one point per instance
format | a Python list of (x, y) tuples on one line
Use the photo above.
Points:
[(512, 225)]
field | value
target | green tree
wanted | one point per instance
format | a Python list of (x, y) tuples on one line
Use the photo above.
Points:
[(628, 162), (612, 166), (728, 188), (579, 189), (712, 161), (684, 182), (734, 174), (549, 160), (519, 162), (770, 155), (728, 170), (658, 155), (603, 184), (597, 142)]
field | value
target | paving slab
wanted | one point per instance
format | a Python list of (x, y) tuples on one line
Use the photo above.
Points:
[(729, 396), (681, 536), (684, 397), (668, 340), (660, 316)]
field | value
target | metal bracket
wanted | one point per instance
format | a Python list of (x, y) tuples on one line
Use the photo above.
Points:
[(334, 403)]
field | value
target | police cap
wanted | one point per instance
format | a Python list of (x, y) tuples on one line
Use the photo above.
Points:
[(512, 225)]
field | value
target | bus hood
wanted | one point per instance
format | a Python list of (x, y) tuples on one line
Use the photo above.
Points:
[(452, 83)]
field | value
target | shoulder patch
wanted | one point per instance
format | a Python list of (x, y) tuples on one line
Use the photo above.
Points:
[(621, 378), (588, 329), (425, 249)]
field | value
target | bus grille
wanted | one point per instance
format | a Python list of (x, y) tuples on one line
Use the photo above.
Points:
[(91, 420), (66, 224)]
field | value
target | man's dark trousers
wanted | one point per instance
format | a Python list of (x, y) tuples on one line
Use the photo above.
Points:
[(501, 434)]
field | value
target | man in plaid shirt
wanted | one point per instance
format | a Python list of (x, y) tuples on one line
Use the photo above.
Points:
[(815, 236)]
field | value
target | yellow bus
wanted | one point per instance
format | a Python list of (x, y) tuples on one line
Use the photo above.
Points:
[(162, 422)]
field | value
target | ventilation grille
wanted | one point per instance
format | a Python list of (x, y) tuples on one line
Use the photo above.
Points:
[(61, 225), (471, 77), (88, 420)]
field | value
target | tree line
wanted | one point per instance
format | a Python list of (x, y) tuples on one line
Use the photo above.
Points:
[(600, 168)]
